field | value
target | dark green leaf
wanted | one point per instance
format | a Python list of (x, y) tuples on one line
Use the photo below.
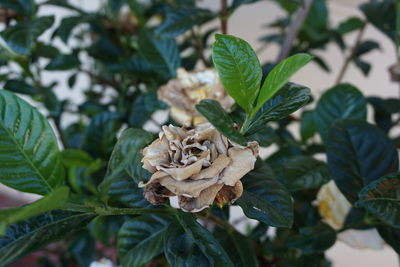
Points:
[(265, 199), (391, 236), (239, 250), (312, 240), (29, 155), (349, 25), (382, 198), (141, 239), (286, 101), (238, 68), (382, 14), (302, 172), (33, 234), (55, 200), (67, 25), (382, 116), (308, 128), (45, 50), (365, 67), (20, 87), (163, 54), (179, 20), (209, 246), (63, 62), (180, 249), (216, 115), (83, 248), (72, 80), (265, 137), (365, 47), (280, 75), (100, 136), (134, 66), (343, 101), (125, 169), (21, 37), (358, 154)]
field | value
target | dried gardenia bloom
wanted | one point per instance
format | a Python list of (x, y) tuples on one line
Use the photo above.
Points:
[(198, 165), (188, 89), (334, 207)]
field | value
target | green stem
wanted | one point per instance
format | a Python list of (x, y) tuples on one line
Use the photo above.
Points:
[(246, 124), (109, 211)]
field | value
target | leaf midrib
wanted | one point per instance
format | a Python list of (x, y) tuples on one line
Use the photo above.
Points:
[(20, 148)]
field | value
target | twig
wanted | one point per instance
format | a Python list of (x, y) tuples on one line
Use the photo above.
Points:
[(200, 49), (294, 28), (351, 55), (224, 16)]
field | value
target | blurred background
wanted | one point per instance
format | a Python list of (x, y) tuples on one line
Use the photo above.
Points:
[(248, 22)]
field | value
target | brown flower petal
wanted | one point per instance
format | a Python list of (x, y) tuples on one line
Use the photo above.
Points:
[(205, 199), (243, 160), (180, 174), (156, 194), (189, 188), (197, 165), (220, 163), (229, 194)]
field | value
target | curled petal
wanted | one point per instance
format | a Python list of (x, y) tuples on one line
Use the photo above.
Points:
[(220, 163), (243, 161), (180, 174), (205, 199), (229, 194), (362, 239), (189, 187)]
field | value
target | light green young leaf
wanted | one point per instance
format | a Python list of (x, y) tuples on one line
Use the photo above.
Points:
[(238, 68), (280, 75)]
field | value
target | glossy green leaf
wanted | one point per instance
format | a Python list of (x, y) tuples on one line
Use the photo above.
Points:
[(125, 168), (21, 37), (358, 154), (33, 234), (382, 198), (141, 239), (217, 116), (302, 172), (280, 75), (238, 68), (67, 25), (55, 200), (30, 160), (63, 62), (308, 127), (239, 249), (20, 87), (204, 240), (265, 199), (286, 101), (181, 250), (180, 19), (310, 240), (343, 101), (163, 54), (22, 7)]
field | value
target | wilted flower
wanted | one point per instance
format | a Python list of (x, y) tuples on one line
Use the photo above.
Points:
[(334, 207), (198, 165), (188, 89)]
